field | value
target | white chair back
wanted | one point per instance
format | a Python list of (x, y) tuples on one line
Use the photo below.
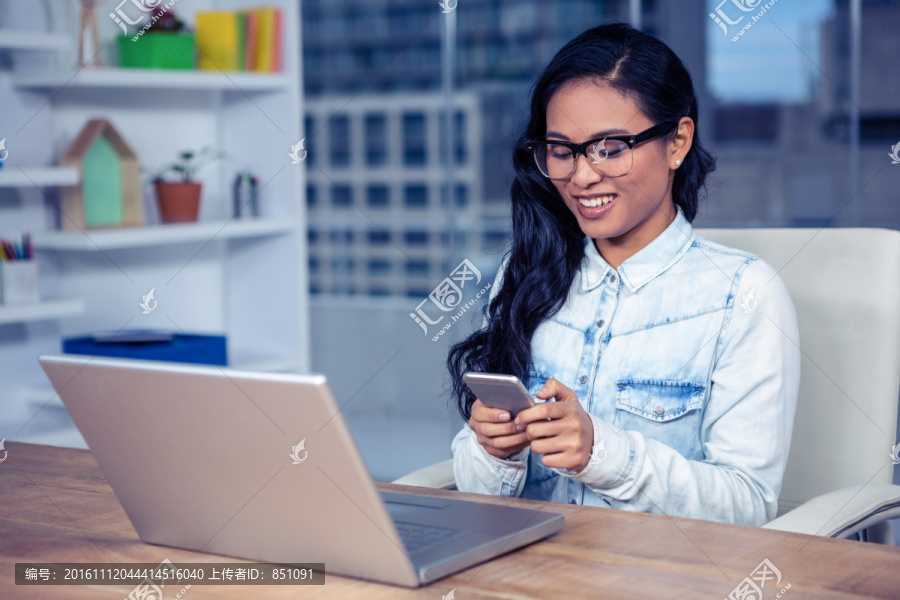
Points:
[(845, 285)]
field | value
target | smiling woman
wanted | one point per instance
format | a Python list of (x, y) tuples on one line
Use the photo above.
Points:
[(671, 396)]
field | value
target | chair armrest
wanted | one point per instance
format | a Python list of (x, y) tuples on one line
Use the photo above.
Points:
[(438, 476), (844, 512)]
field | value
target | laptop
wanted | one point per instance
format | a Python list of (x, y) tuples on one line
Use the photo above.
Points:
[(261, 466)]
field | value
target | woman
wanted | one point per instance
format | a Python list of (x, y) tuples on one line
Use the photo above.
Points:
[(666, 367)]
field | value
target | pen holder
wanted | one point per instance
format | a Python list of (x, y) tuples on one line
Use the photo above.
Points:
[(19, 282)]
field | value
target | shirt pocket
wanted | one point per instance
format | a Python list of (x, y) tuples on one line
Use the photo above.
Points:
[(663, 410)]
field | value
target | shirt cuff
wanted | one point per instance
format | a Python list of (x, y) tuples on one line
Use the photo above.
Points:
[(516, 459), (612, 457)]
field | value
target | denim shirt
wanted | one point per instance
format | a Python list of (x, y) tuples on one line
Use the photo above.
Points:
[(686, 357)]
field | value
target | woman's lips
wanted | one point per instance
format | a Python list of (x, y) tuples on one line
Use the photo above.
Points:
[(595, 206)]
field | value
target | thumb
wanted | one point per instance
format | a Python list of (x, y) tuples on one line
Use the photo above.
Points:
[(554, 389)]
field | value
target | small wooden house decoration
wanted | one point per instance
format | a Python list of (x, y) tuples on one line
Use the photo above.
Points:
[(109, 194)]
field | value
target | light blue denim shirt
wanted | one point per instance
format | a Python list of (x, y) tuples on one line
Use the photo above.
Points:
[(687, 359)]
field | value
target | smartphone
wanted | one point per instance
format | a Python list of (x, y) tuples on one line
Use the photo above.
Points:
[(499, 391)]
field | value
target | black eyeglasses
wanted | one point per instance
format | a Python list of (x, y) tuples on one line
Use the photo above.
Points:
[(611, 156)]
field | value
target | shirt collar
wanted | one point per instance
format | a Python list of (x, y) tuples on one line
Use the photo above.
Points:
[(649, 262)]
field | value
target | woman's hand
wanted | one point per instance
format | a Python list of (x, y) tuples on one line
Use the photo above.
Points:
[(495, 431), (567, 438)]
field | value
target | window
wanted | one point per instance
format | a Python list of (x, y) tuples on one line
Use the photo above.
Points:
[(314, 264), (459, 239), (309, 135), (494, 240), (459, 138), (379, 266), (417, 268), (341, 196), (343, 265), (338, 236), (415, 196), (376, 140), (749, 122), (312, 236), (378, 196), (460, 195), (378, 238), (312, 198), (414, 142), (339, 141), (415, 238)]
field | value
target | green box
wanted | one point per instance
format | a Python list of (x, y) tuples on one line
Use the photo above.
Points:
[(157, 50)]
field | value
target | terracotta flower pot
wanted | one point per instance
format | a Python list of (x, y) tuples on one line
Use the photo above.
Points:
[(178, 202)]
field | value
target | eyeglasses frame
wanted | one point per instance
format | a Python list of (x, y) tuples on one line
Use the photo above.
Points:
[(658, 130)]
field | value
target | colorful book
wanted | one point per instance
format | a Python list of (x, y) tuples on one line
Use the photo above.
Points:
[(265, 39), (276, 58), (218, 40), (241, 40), (250, 25)]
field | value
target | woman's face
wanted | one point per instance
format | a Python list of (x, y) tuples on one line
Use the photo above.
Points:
[(640, 203)]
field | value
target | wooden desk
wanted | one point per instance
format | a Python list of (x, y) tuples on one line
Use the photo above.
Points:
[(55, 506)]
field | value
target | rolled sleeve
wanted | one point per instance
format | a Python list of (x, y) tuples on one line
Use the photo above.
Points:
[(477, 471)]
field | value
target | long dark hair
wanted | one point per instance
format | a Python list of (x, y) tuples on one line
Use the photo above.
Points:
[(547, 243)]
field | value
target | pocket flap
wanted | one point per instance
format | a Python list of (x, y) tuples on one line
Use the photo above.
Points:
[(659, 400)]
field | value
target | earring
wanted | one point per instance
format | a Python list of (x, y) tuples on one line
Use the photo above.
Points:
[(678, 163)]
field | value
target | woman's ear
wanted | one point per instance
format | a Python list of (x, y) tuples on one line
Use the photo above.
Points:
[(680, 145)]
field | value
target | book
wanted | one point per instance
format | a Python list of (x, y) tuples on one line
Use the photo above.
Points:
[(251, 21), (241, 41), (276, 50), (265, 39), (217, 35)]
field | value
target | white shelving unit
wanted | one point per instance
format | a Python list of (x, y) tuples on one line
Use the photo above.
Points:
[(23, 177), (48, 309), (244, 278), (154, 79), (27, 40), (158, 235)]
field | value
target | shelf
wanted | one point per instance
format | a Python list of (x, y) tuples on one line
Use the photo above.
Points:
[(42, 395), (32, 40), (158, 235), (154, 79), (280, 364), (48, 309), (11, 176)]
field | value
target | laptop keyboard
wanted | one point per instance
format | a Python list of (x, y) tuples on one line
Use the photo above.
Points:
[(420, 537)]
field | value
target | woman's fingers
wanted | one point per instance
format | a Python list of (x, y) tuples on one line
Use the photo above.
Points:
[(494, 430), (554, 389), (482, 413)]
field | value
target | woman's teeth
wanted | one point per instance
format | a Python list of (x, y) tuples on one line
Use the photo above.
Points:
[(593, 202)]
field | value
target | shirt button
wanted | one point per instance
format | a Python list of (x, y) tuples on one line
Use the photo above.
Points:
[(660, 410), (612, 277), (583, 379), (600, 323)]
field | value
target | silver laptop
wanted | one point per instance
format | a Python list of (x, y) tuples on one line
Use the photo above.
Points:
[(262, 467)]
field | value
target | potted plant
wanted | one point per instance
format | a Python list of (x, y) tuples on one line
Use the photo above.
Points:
[(163, 42), (179, 201)]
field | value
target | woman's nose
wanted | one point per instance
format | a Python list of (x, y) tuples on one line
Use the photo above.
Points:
[(584, 173)]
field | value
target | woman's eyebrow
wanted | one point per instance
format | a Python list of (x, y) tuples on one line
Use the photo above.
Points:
[(599, 134)]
